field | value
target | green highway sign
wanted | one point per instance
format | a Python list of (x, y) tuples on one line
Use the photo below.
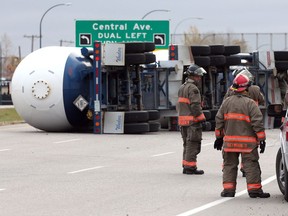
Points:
[(117, 31)]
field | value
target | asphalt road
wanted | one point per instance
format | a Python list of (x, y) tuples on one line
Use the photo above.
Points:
[(73, 174)]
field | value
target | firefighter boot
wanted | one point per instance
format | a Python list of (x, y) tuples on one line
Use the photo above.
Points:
[(259, 194), (193, 171), (227, 193)]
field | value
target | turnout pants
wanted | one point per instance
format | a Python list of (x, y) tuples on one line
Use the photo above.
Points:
[(192, 136), (251, 166)]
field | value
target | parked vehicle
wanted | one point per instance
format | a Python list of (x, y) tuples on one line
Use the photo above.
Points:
[(282, 155)]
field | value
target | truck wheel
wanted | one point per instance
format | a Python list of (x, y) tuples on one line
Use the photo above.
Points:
[(202, 61), (134, 47), (200, 50), (217, 49), (154, 126), (153, 114), (149, 58), (149, 46), (217, 60), (281, 65), (136, 116), (136, 128), (233, 60), (281, 55), (231, 50), (134, 58)]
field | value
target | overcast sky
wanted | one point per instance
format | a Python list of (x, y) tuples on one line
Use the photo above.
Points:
[(22, 17)]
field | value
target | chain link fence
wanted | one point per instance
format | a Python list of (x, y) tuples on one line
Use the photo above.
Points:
[(248, 42)]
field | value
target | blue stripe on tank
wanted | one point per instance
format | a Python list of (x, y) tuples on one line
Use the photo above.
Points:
[(77, 73)]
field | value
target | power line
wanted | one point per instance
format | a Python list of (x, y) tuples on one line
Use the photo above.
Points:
[(65, 41)]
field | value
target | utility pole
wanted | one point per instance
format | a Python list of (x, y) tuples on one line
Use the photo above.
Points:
[(32, 37), (65, 41)]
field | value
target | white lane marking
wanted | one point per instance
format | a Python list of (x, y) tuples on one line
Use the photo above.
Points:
[(2, 189), (1, 150), (64, 141), (157, 155), (87, 169), (222, 200)]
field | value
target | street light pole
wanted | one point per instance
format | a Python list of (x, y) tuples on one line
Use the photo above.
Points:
[(40, 28), (164, 10), (183, 20)]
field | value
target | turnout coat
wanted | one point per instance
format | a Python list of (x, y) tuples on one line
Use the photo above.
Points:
[(240, 122)]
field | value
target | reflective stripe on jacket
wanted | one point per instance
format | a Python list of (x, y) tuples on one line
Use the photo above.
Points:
[(189, 104), (240, 121)]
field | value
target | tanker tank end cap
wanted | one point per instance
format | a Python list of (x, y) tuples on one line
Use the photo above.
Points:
[(40, 89)]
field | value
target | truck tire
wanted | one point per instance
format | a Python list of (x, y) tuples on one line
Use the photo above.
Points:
[(281, 55), (154, 126), (149, 46), (136, 116), (281, 65), (149, 58), (217, 49), (132, 47), (200, 50), (153, 114), (202, 61), (136, 128), (233, 60), (217, 60), (134, 58), (231, 50)]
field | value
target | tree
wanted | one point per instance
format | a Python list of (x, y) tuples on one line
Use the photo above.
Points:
[(8, 62), (6, 45)]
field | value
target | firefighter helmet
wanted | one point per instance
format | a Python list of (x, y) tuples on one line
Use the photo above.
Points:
[(241, 83), (243, 71), (194, 69)]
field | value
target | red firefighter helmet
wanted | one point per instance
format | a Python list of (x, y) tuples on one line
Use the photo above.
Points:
[(240, 83)]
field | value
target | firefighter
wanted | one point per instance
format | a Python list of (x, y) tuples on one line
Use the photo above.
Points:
[(239, 125), (253, 90), (190, 118), (254, 93)]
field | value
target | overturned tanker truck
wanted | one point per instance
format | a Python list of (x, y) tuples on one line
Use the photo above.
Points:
[(121, 88)]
